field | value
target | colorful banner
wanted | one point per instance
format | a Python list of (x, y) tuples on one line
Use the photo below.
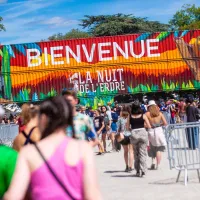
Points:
[(100, 68)]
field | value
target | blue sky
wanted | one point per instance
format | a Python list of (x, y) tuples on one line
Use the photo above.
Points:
[(33, 20)]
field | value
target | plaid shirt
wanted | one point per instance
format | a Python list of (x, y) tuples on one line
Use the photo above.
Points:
[(83, 126)]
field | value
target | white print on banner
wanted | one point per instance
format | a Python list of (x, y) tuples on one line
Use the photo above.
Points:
[(61, 55), (106, 81)]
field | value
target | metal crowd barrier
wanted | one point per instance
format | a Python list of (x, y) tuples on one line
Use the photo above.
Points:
[(8, 133), (183, 145)]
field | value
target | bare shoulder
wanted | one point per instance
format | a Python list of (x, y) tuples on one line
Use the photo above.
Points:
[(27, 151), (82, 145), (147, 114), (18, 142), (161, 114)]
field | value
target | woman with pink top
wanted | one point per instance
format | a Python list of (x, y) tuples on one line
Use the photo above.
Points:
[(57, 167)]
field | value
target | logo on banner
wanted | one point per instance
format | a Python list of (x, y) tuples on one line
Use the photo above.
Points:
[(107, 80)]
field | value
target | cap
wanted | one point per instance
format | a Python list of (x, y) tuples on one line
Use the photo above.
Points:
[(152, 103)]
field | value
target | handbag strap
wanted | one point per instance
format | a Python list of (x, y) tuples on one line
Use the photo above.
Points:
[(53, 173)]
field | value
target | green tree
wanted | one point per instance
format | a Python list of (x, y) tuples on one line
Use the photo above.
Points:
[(73, 34), (58, 36), (2, 27), (187, 18), (117, 24)]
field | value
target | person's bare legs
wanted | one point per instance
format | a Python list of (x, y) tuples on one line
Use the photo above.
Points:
[(100, 146), (104, 141), (130, 156), (112, 138), (158, 158), (126, 156)]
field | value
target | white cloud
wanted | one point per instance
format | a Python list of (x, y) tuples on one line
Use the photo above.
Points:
[(25, 23), (59, 21), (3, 1), (22, 8), (31, 30)]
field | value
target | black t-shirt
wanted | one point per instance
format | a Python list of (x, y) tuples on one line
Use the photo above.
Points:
[(98, 121), (191, 113)]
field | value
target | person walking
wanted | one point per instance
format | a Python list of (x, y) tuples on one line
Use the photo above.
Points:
[(83, 124), (182, 110), (156, 135), (123, 138), (173, 113), (8, 161), (107, 126), (113, 129), (139, 137), (99, 126), (192, 134), (57, 167), (31, 132)]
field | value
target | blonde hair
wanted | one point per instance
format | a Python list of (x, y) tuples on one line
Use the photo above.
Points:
[(124, 114), (29, 111), (154, 111)]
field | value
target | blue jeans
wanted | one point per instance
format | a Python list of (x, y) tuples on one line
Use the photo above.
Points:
[(172, 120), (192, 135)]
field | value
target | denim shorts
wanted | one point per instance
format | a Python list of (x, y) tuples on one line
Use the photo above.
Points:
[(114, 127), (104, 131)]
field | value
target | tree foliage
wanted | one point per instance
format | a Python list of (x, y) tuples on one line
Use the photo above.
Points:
[(187, 18), (107, 25), (73, 34), (2, 27)]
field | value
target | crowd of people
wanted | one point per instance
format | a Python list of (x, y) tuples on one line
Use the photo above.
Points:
[(53, 150), (145, 120)]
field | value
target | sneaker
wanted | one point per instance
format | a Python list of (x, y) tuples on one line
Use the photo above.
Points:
[(138, 174), (127, 169), (153, 167), (98, 154), (130, 169), (143, 174)]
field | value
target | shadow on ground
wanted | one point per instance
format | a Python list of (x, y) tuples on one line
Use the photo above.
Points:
[(164, 182), (124, 176), (172, 181), (116, 171)]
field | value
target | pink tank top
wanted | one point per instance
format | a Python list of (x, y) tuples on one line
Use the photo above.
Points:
[(45, 187)]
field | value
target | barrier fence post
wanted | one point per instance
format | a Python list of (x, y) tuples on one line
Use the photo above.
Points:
[(8, 132), (183, 147)]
